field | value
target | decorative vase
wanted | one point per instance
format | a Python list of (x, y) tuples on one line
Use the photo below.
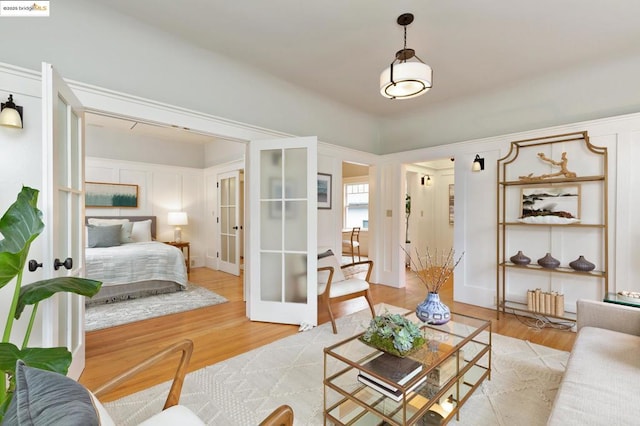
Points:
[(548, 262), (582, 264), (433, 311), (520, 259)]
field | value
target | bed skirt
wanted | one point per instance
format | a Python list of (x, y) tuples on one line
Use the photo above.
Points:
[(120, 292)]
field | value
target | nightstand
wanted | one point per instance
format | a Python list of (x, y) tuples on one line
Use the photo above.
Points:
[(182, 245)]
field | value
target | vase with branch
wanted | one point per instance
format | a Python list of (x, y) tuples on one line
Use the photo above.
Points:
[(433, 270)]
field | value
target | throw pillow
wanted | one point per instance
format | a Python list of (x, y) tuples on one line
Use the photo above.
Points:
[(103, 236), (141, 231), (329, 259), (46, 398), (127, 226)]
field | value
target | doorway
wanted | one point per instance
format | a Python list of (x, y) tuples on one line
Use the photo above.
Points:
[(429, 210), (355, 212)]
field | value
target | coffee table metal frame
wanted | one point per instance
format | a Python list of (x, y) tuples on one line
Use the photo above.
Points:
[(467, 346)]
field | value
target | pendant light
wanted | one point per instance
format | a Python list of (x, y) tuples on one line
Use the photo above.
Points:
[(404, 79), (10, 114)]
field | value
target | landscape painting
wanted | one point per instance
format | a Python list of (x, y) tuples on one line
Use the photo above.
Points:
[(98, 194), (559, 201)]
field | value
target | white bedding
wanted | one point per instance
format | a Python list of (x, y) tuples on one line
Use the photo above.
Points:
[(136, 262)]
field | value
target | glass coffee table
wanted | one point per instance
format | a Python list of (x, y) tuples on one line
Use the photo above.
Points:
[(621, 299), (455, 359)]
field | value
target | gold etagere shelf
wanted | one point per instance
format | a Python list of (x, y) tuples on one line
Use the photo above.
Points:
[(507, 222)]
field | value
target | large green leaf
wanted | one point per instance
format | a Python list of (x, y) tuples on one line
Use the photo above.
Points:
[(51, 359), (33, 293), (20, 225)]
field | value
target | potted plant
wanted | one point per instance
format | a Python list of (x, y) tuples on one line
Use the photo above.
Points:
[(20, 226), (394, 334)]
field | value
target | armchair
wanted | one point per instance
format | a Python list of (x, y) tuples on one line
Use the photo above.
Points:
[(45, 397), (334, 286)]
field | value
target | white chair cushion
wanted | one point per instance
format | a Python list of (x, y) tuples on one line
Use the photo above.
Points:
[(350, 286), (348, 243), (323, 276), (176, 415)]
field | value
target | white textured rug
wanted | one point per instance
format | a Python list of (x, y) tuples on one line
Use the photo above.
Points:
[(245, 389), (112, 314)]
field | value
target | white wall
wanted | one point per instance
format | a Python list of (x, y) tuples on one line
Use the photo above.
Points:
[(93, 44), (22, 164), (475, 196), (161, 189)]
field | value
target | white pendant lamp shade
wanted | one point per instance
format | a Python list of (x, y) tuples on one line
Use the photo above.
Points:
[(407, 76), (410, 79)]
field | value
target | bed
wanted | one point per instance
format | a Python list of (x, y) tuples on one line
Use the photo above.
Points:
[(122, 253)]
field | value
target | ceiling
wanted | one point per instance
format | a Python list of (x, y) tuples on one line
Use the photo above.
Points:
[(146, 129), (338, 48)]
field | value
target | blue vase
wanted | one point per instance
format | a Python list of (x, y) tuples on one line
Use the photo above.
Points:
[(433, 311)]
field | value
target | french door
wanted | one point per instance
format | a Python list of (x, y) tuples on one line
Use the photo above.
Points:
[(229, 222), (63, 209), (282, 229)]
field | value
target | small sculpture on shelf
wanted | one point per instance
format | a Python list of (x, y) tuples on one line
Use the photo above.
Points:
[(564, 172), (548, 262), (581, 264), (520, 259)]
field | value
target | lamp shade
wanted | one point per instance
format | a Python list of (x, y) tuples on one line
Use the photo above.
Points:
[(10, 116), (406, 80), (177, 218)]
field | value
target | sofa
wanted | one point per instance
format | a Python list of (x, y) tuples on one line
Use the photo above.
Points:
[(602, 379)]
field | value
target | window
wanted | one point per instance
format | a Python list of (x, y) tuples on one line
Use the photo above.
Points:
[(356, 205)]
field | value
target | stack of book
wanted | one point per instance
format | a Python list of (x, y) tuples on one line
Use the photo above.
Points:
[(550, 303), (396, 370)]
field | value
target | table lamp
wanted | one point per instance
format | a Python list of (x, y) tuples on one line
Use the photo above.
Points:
[(177, 219)]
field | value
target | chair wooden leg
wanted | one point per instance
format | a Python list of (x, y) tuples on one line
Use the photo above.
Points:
[(353, 259), (367, 295), (359, 257), (333, 320)]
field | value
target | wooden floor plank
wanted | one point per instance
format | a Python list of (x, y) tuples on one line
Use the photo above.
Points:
[(222, 331)]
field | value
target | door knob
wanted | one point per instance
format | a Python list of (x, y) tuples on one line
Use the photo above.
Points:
[(235, 227), (33, 265), (68, 263)]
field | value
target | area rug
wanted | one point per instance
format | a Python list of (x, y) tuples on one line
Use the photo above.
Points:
[(112, 314), (245, 389)]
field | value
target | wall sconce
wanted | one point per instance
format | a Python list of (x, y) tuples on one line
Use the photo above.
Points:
[(427, 181), (478, 164), (177, 219), (10, 114)]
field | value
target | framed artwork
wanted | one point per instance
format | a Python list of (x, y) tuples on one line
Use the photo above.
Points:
[(451, 191), (549, 201), (324, 191), (99, 194)]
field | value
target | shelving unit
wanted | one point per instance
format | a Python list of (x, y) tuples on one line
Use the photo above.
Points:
[(571, 176)]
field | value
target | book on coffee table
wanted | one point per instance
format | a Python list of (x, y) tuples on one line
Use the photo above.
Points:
[(396, 394), (395, 369)]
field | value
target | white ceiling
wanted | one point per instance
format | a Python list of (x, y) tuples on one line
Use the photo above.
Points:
[(337, 48), (142, 129)]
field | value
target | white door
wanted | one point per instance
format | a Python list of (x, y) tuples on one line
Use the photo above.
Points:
[(63, 209), (229, 222), (282, 231)]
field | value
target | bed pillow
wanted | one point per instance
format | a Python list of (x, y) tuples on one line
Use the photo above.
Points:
[(125, 232), (141, 231), (103, 236), (44, 397)]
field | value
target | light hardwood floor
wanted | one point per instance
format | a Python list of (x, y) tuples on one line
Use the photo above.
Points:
[(222, 331)]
